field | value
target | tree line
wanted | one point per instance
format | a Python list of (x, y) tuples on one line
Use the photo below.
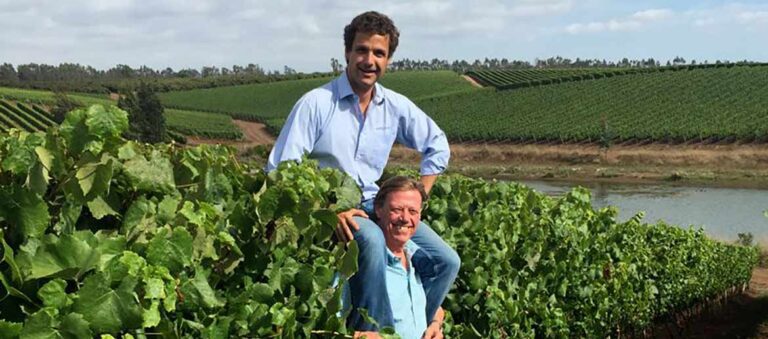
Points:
[(71, 77), (463, 66), (82, 78)]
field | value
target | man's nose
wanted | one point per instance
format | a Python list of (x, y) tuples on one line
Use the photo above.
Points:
[(369, 58)]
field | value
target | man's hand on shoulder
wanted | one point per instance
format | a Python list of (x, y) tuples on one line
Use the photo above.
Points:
[(366, 335), (435, 328), (434, 331), (347, 224)]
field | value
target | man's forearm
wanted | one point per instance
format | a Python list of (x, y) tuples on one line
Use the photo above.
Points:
[(428, 181)]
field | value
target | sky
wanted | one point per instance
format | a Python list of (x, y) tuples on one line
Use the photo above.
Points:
[(305, 35)]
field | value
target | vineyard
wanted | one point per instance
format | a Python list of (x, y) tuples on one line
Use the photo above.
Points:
[(688, 105), (106, 236), (271, 102), (518, 78), (25, 110), (32, 118), (694, 103)]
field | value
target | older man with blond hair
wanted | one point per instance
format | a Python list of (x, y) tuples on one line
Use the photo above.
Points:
[(398, 206)]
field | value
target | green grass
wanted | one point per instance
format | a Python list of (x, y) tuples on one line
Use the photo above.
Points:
[(203, 124), (46, 97), (272, 102), (725, 103)]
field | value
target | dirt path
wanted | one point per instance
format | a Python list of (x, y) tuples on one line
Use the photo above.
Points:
[(471, 81), (254, 134)]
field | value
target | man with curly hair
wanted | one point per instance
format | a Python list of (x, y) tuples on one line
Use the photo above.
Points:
[(351, 124)]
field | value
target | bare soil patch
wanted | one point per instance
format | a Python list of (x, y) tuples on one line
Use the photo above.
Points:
[(471, 81), (254, 134)]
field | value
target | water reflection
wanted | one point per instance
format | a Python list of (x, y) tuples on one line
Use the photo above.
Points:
[(723, 212)]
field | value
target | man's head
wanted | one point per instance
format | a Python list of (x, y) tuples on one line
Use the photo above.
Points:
[(398, 206), (369, 42)]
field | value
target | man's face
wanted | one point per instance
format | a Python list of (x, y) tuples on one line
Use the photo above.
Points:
[(399, 216), (367, 60)]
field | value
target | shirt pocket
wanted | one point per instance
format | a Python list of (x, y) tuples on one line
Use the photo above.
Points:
[(380, 146)]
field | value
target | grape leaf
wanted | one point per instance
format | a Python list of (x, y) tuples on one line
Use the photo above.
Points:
[(151, 315), (68, 255), (173, 251), (39, 325), (25, 211), (42, 324), (139, 218), (74, 326), (68, 216), (53, 294), (347, 195), (37, 180), (349, 260), (153, 175), (128, 264), (106, 122), (10, 259), (127, 151), (100, 208), (198, 293), (21, 155), (95, 177), (10, 329), (166, 209), (108, 310), (74, 131)]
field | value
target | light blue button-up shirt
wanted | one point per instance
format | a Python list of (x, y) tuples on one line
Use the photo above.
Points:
[(405, 292), (327, 124), (406, 295)]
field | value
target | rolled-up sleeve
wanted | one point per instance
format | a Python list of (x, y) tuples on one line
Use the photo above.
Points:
[(297, 137), (418, 131)]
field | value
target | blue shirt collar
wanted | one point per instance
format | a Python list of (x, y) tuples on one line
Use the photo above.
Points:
[(345, 89), (410, 248)]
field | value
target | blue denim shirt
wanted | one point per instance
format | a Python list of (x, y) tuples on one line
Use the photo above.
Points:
[(327, 124)]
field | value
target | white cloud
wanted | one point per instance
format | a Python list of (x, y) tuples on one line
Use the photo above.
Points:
[(305, 34), (729, 15), (652, 14), (753, 17), (634, 22)]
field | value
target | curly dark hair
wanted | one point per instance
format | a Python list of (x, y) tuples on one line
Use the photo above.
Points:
[(372, 22)]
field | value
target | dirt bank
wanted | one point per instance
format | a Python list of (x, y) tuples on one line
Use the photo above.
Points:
[(744, 316), (736, 165)]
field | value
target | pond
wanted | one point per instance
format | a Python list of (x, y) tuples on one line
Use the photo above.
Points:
[(722, 212)]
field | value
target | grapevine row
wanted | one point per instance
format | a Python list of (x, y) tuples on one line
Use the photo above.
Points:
[(687, 105)]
